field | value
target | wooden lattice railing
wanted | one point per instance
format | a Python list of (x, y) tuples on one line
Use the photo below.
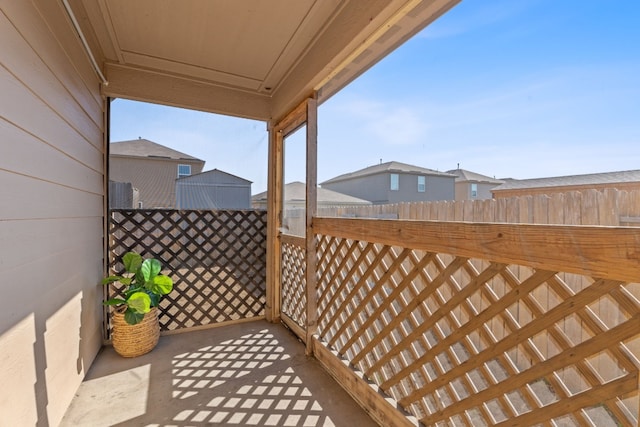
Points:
[(486, 324), (216, 259), (294, 298)]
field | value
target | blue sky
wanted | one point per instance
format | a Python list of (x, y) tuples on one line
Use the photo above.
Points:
[(520, 89)]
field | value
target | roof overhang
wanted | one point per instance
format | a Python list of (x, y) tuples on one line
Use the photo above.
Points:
[(249, 58)]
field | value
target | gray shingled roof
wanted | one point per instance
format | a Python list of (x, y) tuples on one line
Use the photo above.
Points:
[(561, 181), (395, 167), (464, 175), (297, 191), (146, 148)]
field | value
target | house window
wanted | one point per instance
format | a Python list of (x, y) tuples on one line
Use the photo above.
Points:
[(184, 170), (422, 184), (395, 182), (140, 205), (474, 191)]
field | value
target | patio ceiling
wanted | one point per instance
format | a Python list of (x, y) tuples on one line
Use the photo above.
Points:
[(248, 58)]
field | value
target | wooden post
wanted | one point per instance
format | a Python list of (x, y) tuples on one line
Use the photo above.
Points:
[(311, 212), (106, 102), (274, 221)]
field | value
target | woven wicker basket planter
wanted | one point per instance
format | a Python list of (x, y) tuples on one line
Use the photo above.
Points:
[(135, 340)]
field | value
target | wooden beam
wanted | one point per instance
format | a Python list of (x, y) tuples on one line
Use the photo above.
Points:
[(293, 120), (274, 221), (295, 328), (292, 240), (384, 410), (311, 212), (212, 326), (603, 252), (144, 85)]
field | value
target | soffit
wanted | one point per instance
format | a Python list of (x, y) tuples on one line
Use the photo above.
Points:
[(249, 58)]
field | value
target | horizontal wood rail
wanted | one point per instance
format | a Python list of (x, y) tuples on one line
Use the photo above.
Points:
[(605, 252), (292, 240)]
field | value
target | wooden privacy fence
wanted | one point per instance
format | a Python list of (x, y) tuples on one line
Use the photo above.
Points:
[(216, 259), (482, 324), (587, 207)]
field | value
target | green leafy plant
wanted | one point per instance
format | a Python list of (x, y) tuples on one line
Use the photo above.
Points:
[(145, 286)]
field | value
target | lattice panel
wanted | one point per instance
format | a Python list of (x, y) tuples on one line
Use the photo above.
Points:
[(294, 298), (217, 260), (460, 341)]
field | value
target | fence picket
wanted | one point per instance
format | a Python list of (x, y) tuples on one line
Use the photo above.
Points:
[(588, 207)]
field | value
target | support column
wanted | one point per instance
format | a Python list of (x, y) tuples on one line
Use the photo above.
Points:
[(274, 221), (311, 212)]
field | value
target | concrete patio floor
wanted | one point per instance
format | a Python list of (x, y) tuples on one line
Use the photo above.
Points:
[(248, 374)]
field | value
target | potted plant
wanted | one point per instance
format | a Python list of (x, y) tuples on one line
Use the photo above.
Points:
[(136, 329)]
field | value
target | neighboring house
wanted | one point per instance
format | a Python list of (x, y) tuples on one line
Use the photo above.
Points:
[(471, 185), (213, 189), (294, 197), (623, 180), (152, 169), (394, 182)]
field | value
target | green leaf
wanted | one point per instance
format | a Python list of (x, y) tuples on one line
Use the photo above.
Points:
[(139, 302), (133, 318), (161, 285), (131, 261), (111, 279), (150, 269), (114, 301), (139, 277), (132, 291), (155, 299)]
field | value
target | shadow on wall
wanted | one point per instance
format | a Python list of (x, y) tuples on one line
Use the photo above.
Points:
[(44, 358)]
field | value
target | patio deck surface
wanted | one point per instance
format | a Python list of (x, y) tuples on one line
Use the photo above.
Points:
[(248, 374)]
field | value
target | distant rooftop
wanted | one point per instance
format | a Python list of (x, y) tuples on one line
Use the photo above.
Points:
[(572, 180), (387, 167), (215, 172), (297, 191), (145, 148), (465, 175)]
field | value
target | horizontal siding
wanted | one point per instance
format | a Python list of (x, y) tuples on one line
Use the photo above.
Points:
[(19, 236), (52, 164), (70, 65), (374, 188), (51, 215), (33, 198), (33, 72), (24, 110)]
